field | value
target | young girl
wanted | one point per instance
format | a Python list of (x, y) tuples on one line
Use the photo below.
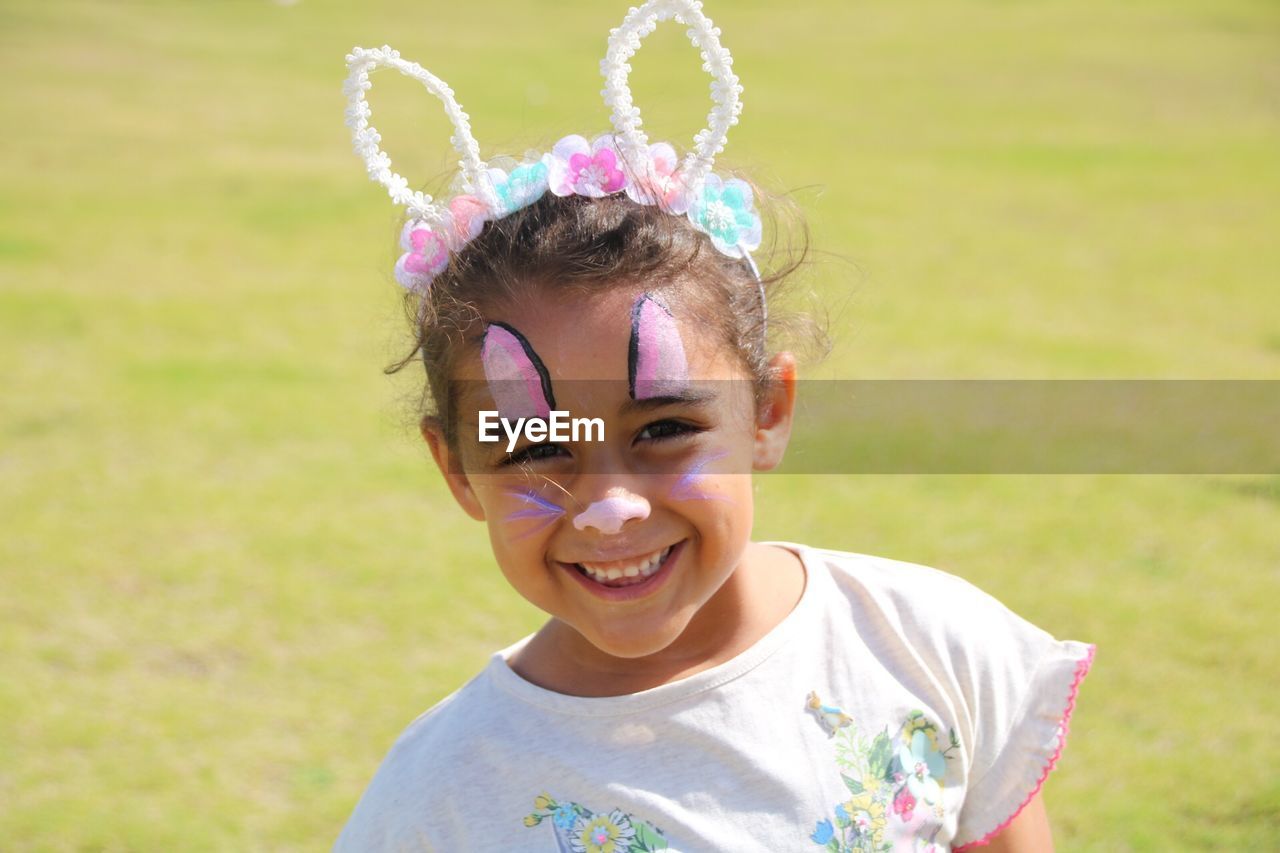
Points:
[(593, 328)]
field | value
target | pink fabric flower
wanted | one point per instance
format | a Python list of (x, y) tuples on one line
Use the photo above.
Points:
[(427, 255), (577, 167), (663, 185), (469, 214)]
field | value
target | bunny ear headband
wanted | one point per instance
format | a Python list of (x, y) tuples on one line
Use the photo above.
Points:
[(622, 162)]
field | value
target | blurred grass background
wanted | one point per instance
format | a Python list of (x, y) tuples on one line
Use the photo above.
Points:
[(228, 575)]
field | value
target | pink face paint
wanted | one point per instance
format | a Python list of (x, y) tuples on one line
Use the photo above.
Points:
[(691, 487), (517, 378), (656, 364), (608, 515), (536, 507)]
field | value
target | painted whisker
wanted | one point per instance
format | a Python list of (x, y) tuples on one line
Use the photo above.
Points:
[(689, 488), (538, 508)]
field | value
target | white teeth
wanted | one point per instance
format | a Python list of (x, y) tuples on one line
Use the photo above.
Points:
[(644, 568)]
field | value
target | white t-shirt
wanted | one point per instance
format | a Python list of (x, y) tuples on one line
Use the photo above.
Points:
[(897, 707)]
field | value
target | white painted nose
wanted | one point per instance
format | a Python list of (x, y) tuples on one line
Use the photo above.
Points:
[(609, 514)]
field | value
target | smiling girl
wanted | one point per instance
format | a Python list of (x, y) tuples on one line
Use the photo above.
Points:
[(691, 689)]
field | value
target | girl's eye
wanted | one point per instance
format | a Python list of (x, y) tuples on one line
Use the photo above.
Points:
[(533, 453), (666, 430)]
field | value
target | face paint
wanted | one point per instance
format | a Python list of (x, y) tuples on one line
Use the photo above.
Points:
[(656, 364), (535, 507), (690, 487), (518, 379), (608, 515)]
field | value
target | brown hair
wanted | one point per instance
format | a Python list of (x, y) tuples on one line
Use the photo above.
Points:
[(579, 246)]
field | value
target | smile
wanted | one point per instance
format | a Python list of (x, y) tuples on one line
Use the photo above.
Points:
[(633, 570), (628, 579)]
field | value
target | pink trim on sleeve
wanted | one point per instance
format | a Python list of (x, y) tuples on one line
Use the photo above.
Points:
[(1082, 669)]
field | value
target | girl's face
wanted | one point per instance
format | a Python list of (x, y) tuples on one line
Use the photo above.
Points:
[(624, 539)]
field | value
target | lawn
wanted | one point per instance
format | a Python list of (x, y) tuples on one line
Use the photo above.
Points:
[(228, 574)]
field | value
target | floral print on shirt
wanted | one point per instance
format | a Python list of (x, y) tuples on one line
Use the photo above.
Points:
[(895, 782), (579, 830)]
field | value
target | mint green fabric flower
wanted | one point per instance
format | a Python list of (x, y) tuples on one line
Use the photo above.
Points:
[(725, 210), (525, 185)]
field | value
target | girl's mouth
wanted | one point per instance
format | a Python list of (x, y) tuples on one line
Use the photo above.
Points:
[(625, 572), (622, 580)]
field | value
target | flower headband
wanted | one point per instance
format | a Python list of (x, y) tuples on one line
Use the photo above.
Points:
[(620, 162)]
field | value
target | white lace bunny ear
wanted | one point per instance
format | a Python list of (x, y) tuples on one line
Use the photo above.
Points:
[(624, 41), (365, 137)]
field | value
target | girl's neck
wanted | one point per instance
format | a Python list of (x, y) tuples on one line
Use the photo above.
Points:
[(760, 593)]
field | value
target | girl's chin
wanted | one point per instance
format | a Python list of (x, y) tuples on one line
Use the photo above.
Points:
[(637, 645)]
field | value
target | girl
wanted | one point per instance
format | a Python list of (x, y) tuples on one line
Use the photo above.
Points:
[(593, 328)]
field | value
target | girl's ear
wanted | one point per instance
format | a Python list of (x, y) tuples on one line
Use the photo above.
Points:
[(451, 468), (773, 415)]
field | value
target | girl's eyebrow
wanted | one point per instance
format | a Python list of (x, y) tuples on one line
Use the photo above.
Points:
[(693, 398)]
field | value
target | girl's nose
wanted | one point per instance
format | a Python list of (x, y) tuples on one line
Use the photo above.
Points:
[(609, 514)]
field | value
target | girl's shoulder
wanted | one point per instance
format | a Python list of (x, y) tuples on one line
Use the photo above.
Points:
[(1006, 684), (913, 600), (385, 817), (873, 571)]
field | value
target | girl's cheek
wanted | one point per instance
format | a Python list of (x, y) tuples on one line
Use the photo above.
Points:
[(698, 481)]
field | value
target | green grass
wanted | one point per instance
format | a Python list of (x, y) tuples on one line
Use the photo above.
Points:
[(228, 575)]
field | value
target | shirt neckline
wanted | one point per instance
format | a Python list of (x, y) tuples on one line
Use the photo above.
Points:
[(509, 681)]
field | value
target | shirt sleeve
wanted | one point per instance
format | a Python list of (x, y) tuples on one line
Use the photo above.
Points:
[(1020, 686), (385, 818), (394, 811)]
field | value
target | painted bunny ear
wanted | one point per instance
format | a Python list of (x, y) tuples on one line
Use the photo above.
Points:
[(365, 137), (517, 378), (624, 41), (656, 363)]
